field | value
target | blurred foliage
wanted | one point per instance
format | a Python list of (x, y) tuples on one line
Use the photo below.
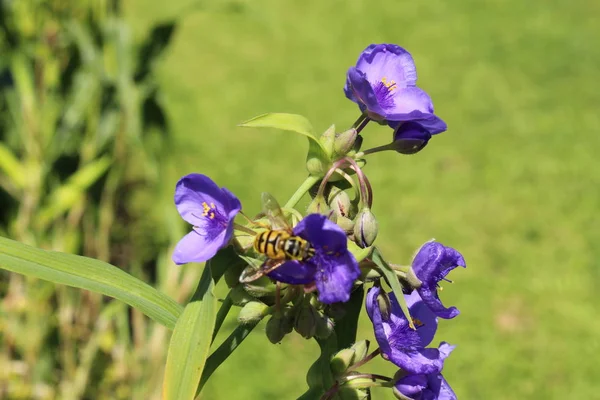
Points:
[(82, 136)]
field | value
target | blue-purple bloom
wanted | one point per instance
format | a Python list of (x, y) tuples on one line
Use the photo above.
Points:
[(431, 264), (383, 84), (426, 386), (333, 268), (211, 210), (398, 342)]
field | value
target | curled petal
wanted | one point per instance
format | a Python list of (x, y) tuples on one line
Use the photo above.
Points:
[(425, 320), (431, 298)]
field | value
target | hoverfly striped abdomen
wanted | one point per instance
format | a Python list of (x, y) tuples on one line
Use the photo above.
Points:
[(280, 245)]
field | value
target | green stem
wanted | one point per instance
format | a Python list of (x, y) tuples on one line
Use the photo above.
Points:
[(304, 187)]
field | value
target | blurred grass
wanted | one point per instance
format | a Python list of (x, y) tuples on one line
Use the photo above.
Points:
[(513, 183)]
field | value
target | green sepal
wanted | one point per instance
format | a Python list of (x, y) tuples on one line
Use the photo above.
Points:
[(358, 252), (253, 312), (327, 140), (318, 159), (239, 296), (392, 280)]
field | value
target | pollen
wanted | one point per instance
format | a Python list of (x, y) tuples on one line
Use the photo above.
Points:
[(390, 85), (207, 211)]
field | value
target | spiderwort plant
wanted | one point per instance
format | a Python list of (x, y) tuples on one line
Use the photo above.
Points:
[(311, 276)]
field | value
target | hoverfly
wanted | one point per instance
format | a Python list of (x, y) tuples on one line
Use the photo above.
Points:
[(278, 243)]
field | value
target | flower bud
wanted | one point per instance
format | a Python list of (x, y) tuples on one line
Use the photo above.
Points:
[(279, 325), (340, 202), (383, 302), (318, 206), (325, 327), (261, 287), (344, 142), (232, 275), (239, 296), (365, 228), (327, 139), (253, 311), (306, 321), (410, 138), (345, 223), (342, 360), (361, 349)]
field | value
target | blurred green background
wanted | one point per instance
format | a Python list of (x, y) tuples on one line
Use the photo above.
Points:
[(513, 185)]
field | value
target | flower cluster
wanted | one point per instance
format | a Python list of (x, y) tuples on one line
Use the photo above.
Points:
[(302, 269)]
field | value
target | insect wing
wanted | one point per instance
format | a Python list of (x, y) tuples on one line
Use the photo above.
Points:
[(273, 211), (251, 273)]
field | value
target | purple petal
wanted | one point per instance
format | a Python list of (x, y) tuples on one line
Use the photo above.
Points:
[(363, 93), (335, 276), (417, 361), (194, 247), (430, 297), (294, 273), (411, 385), (388, 61), (438, 388), (426, 323), (322, 233), (410, 99), (376, 318), (192, 191)]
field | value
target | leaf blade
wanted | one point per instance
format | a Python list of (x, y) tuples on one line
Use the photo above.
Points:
[(392, 280), (190, 343), (86, 273)]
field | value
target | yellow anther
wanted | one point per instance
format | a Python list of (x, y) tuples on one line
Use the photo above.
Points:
[(417, 322), (207, 210), (391, 85)]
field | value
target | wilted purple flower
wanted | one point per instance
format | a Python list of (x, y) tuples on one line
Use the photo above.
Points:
[(211, 210), (410, 138), (431, 264), (383, 85), (398, 342), (427, 387), (333, 268)]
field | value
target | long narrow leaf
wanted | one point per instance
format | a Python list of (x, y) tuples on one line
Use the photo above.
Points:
[(190, 343), (392, 280), (87, 273), (12, 167)]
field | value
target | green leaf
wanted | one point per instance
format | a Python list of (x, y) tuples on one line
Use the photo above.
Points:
[(358, 252), (190, 342), (224, 350), (392, 280), (318, 158), (11, 167), (66, 196), (287, 122), (87, 273)]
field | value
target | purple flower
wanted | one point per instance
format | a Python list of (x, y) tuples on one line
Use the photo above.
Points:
[(431, 264), (426, 387), (398, 342), (333, 268), (383, 84), (211, 210)]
